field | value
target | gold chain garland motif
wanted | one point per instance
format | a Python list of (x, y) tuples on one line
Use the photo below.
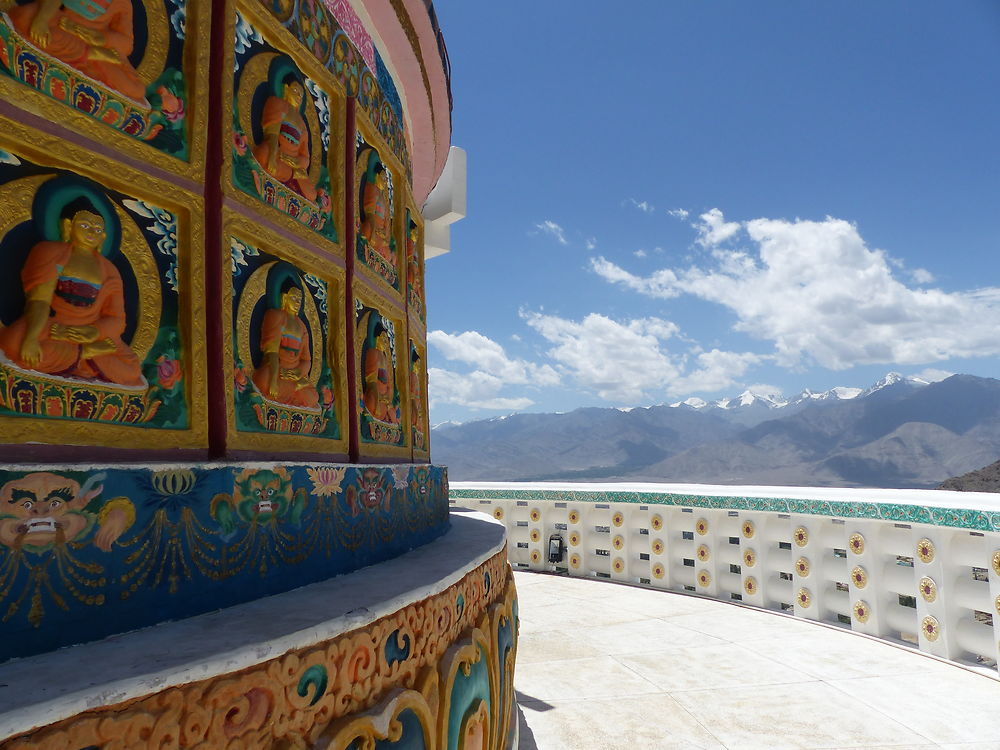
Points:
[(356, 686)]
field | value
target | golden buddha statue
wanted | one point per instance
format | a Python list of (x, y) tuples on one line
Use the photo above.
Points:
[(416, 392), (283, 375), (376, 226), (413, 261), (74, 315), (284, 151), (379, 381), (92, 36)]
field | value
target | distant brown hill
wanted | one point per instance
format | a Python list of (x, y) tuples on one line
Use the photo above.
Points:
[(899, 433), (986, 479)]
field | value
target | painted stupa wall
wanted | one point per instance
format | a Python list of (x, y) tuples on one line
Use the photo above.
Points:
[(233, 155), (210, 249), (213, 389)]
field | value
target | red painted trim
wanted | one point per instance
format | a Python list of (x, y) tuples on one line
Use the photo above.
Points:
[(218, 393), (354, 433)]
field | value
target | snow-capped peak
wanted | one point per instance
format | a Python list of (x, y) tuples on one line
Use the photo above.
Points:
[(892, 378), (694, 402)]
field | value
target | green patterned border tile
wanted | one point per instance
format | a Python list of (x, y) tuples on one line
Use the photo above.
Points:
[(961, 518)]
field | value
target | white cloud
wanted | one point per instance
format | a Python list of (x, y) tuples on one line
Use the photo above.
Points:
[(816, 291), (493, 371), (679, 213), (933, 375), (713, 229), (644, 206), (639, 253), (763, 389), (619, 361), (590, 243), (715, 370), (486, 355), (550, 227), (630, 361), (922, 276), (475, 390), (662, 283)]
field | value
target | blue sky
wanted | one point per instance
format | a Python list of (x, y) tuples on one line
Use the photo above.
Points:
[(670, 199)]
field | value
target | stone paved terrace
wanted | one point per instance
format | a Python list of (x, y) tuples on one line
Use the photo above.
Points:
[(604, 665)]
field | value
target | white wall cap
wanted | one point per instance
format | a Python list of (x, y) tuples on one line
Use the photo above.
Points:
[(447, 202), (437, 239)]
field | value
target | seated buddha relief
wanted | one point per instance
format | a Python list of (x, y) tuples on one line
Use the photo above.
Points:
[(285, 348), (284, 151), (94, 37), (74, 312), (379, 388)]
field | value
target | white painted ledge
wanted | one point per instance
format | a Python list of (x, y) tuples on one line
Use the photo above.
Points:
[(989, 501), (40, 690)]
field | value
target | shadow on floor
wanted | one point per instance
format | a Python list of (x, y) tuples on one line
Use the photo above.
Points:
[(526, 740)]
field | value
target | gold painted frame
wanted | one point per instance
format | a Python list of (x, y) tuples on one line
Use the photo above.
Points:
[(280, 38), (336, 346), (420, 315), (196, 53), (374, 138), (52, 151), (421, 346), (371, 296)]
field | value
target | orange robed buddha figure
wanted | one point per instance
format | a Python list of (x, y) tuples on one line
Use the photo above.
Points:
[(378, 386), (283, 375), (284, 152), (74, 314), (92, 36), (376, 226), (413, 260)]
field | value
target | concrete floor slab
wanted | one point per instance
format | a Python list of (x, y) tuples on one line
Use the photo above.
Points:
[(603, 665), (656, 723)]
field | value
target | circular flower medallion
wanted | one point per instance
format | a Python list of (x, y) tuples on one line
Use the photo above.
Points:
[(925, 550), (536, 556), (703, 553), (800, 536), (574, 516), (856, 544), (618, 565), (618, 519), (535, 515), (802, 567), (535, 536), (996, 562), (859, 577), (996, 604), (750, 585), (862, 611), (701, 527), (804, 597), (928, 589), (659, 571), (498, 513), (748, 529), (931, 628), (657, 547), (574, 539), (618, 542), (749, 558), (574, 560), (656, 522), (704, 578)]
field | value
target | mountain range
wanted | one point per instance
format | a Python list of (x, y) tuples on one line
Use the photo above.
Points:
[(899, 432)]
